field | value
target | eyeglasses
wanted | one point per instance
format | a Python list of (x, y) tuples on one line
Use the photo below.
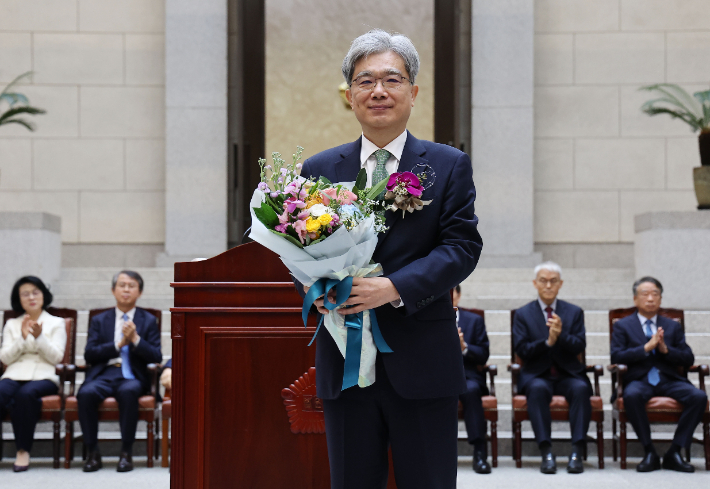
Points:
[(367, 83), (552, 282), (33, 293), (649, 293)]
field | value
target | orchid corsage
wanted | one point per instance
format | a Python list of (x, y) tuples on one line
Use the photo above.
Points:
[(405, 189)]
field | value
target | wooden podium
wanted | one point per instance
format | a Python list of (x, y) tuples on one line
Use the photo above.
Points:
[(245, 412)]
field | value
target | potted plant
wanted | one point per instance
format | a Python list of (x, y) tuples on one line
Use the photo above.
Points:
[(14, 104), (695, 111)]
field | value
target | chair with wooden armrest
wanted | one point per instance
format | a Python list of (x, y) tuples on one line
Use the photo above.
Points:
[(53, 406), (660, 409), (166, 414), (490, 403), (108, 410), (559, 408)]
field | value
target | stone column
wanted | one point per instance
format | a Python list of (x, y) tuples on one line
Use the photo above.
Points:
[(673, 247), (502, 149), (31, 244), (196, 129)]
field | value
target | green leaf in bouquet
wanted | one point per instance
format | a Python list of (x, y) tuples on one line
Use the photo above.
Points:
[(361, 180), (317, 240), (376, 189), (266, 215), (288, 237), (324, 181)]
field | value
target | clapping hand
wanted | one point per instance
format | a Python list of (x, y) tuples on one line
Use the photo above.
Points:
[(462, 341), (36, 329), (654, 342), (129, 334), (26, 326), (554, 324), (662, 347)]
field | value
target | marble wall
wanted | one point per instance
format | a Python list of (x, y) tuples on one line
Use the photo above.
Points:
[(306, 41), (97, 158), (599, 160)]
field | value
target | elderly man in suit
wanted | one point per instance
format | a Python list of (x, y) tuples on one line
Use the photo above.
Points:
[(412, 405), (653, 347), (121, 343), (548, 335), (475, 351)]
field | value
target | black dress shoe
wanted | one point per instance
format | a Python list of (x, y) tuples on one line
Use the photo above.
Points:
[(575, 465), (673, 461), (649, 463), (125, 463), (480, 465), (93, 462), (20, 468), (548, 465)]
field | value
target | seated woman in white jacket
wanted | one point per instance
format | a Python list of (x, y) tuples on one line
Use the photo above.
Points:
[(32, 345)]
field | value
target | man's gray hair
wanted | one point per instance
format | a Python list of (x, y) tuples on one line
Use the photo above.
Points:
[(549, 266), (378, 41)]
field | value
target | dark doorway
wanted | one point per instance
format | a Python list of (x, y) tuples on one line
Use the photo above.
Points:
[(247, 113), (452, 73)]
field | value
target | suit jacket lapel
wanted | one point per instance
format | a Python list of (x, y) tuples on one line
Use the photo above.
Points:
[(110, 324), (346, 170), (411, 157), (639, 330)]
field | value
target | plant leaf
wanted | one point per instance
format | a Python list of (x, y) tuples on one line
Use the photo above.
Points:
[(266, 215), (28, 125), (361, 180), (14, 82), (288, 237), (376, 189), (324, 181)]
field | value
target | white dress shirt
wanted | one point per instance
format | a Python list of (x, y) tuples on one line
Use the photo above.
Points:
[(118, 333), (643, 320), (544, 306), (369, 162)]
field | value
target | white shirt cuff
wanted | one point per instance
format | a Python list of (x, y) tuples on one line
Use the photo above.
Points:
[(465, 350), (398, 303)]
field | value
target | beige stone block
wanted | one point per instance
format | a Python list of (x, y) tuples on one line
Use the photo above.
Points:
[(122, 16), (38, 15), (576, 15), (606, 164), (122, 217), (145, 164), (576, 111), (78, 164), (574, 216), (145, 59), (619, 58), (632, 203), (683, 155), (15, 55), (61, 119), (62, 204), (15, 164), (554, 164), (554, 59), (664, 14), (634, 122), (689, 56), (78, 58), (131, 112)]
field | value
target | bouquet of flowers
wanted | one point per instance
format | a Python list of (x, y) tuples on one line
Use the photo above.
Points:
[(325, 233)]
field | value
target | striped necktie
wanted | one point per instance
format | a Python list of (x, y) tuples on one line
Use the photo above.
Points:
[(653, 376), (126, 358), (380, 173)]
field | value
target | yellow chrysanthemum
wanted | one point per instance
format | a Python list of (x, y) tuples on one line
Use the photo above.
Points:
[(312, 225), (325, 219)]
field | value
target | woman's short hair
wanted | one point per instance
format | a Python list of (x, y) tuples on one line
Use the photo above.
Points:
[(37, 282)]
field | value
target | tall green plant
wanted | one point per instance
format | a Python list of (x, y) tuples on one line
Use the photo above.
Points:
[(679, 104), (17, 104)]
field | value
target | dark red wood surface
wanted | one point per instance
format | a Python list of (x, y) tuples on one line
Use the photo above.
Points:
[(238, 342)]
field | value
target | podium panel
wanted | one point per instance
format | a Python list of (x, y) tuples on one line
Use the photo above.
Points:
[(238, 344)]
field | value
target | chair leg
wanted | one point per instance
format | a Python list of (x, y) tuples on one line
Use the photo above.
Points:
[(494, 443), (706, 442), (164, 462), (150, 441), (55, 446), (622, 443), (518, 444), (68, 442), (613, 440), (157, 438), (600, 443)]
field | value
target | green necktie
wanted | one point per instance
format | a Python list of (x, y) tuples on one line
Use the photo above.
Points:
[(380, 173)]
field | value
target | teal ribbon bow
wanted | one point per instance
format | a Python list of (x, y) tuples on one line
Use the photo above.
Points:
[(354, 322)]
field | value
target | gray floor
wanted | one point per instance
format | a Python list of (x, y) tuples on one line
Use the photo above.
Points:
[(42, 476)]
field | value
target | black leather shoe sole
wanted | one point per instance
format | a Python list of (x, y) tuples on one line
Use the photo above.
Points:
[(678, 467)]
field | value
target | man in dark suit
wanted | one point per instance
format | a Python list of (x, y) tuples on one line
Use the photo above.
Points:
[(120, 345), (548, 335), (653, 347), (412, 405), (475, 351)]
